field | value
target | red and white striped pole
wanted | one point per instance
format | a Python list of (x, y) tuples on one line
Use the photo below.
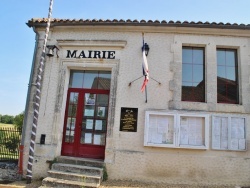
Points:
[(37, 98)]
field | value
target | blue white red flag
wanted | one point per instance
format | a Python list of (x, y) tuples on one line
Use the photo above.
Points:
[(144, 68)]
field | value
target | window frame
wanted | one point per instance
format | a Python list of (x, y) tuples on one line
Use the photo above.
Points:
[(176, 133), (86, 78), (236, 65), (229, 134), (204, 74)]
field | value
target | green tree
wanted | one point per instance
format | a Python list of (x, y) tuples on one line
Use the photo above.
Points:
[(7, 119), (18, 121)]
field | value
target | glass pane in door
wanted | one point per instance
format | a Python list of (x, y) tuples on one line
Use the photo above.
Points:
[(100, 125), (89, 107), (71, 119), (86, 138), (101, 115), (99, 139), (88, 118), (94, 120)]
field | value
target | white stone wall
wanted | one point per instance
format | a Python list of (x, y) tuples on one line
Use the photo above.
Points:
[(126, 157)]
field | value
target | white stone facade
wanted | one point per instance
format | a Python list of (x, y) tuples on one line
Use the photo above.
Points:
[(126, 156)]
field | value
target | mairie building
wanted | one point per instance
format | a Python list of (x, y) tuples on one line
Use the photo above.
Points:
[(190, 125)]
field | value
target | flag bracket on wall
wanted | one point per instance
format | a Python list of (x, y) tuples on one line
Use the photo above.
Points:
[(130, 83)]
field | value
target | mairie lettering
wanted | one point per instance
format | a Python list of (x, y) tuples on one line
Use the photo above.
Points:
[(91, 54)]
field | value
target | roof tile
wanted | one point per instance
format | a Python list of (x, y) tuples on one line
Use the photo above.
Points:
[(57, 21)]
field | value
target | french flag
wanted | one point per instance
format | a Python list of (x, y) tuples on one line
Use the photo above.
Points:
[(144, 68)]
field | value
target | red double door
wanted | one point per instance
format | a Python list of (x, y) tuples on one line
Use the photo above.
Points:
[(85, 124)]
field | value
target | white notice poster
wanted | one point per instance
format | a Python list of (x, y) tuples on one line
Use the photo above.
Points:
[(192, 139), (89, 112), (152, 121), (224, 133), (156, 138), (234, 131), (192, 128), (163, 125), (89, 123), (199, 135), (199, 124), (192, 133), (234, 144), (240, 128), (216, 133), (195, 131), (217, 121), (97, 139), (220, 133), (98, 124), (151, 132), (216, 142), (199, 140), (184, 134), (234, 121), (88, 138), (242, 144)]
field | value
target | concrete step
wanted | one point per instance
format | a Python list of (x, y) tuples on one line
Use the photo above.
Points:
[(54, 182), (89, 171), (80, 161), (75, 177)]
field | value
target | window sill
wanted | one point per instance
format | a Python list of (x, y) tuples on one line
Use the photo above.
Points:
[(209, 107), (232, 108), (176, 147), (188, 105), (230, 150)]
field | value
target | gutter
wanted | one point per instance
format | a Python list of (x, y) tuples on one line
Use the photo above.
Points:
[(26, 112)]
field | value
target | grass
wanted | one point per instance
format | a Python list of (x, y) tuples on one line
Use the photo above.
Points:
[(6, 125), (8, 157)]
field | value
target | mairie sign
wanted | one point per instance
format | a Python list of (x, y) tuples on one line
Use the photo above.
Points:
[(90, 54)]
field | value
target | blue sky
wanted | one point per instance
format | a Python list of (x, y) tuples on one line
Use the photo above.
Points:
[(17, 40)]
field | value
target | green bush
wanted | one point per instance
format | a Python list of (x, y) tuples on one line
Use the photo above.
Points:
[(12, 144), (18, 121)]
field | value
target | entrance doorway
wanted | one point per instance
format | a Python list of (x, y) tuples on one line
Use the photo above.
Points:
[(86, 114)]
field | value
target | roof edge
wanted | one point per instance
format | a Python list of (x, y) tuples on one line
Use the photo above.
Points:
[(41, 22)]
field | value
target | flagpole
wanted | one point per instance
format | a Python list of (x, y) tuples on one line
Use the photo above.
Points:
[(37, 99), (144, 69), (146, 100)]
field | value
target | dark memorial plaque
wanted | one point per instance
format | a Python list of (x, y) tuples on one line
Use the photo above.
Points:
[(128, 120)]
